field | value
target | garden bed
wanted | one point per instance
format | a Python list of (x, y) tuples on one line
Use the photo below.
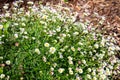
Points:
[(53, 42)]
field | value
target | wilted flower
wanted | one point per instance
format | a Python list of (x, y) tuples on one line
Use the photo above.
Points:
[(52, 50), (60, 70), (37, 51)]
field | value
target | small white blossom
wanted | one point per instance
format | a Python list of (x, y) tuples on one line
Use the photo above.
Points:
[(33, 38), (83, 61), (80, 70), (85, 31), (73, 49), (108, 71), (89, 69), (30, 2), (8, 62), (52, 69), (7, 14), (70, 58), (102, 43), (70, 62), (94, 78), (54, 65), (88, 76), (25, 32), (70, 71), (2, 76), (44, 59), (103, 76), (58, 29), (1, 26), (80, 43), (61, 70), (16, 35), (46, 44), (93, 73), (52, 50), (60, 55), (1, 57), (23, 24), (75, 33), (77, 78), (96, 46), (37, 51), (15, 4), (5, 7)]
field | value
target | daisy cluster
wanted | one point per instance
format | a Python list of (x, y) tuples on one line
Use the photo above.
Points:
[(44, 43)]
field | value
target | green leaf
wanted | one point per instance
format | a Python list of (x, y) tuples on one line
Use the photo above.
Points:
[(1, 70), (6, 26)]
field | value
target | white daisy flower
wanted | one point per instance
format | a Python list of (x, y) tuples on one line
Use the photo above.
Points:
[(46, 44), (2, 76), (96, 46), (52, 50), (8, 62), (61, 70), (1, 26), (37, 51), (73, 49)]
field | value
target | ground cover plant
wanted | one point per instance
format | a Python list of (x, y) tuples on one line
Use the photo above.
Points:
[(45, 43)]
